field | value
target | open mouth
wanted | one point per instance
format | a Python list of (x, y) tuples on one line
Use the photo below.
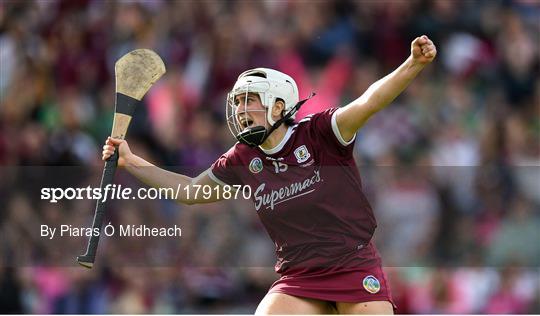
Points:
[(245, 122)]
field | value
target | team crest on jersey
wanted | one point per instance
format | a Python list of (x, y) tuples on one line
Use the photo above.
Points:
[(256, 165), (371, 284), (302, 154)]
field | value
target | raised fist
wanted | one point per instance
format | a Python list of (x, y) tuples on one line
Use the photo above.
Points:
[(423, 50)]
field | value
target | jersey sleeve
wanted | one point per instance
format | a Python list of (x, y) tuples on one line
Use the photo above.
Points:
[(323, 126), (223, 170)]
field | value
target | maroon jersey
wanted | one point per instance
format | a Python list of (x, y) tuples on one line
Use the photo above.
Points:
[(308, 195)]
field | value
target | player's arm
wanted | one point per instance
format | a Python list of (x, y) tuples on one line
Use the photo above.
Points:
[(161, 178), (353, 116)]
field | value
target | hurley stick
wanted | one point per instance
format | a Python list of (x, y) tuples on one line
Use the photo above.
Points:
[(135, 73)]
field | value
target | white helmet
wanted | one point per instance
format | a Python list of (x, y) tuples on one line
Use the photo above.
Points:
[(270, 85)]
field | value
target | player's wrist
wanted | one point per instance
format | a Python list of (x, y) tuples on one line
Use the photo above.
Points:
[(129, 160), (414, 64)]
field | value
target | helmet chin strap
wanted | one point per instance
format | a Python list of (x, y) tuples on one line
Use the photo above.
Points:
[(256, 135)]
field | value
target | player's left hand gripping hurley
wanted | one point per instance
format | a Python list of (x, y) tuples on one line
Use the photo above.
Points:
[(135, 73)]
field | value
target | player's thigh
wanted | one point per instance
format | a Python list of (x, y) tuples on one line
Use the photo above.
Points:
[(279, 303), (373, 307)]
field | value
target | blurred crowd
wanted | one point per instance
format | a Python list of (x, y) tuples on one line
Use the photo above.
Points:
[(451, 167)]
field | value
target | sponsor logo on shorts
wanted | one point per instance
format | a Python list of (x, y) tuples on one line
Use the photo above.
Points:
[(256, 165), (302, 154), (371, 284)]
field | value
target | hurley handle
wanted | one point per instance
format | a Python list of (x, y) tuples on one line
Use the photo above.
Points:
[(87, 260)]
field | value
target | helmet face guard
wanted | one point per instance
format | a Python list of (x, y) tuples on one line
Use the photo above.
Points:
[(254, 135), (269, 85), (250, 135)]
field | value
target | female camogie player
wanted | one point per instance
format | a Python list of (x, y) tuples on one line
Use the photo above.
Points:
[(306, 188)]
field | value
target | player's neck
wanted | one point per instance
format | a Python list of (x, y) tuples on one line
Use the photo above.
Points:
[(275, 138)]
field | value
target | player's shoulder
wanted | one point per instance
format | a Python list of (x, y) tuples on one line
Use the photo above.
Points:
[(314, 118), (322, 127), (238, 152), (241, 148)]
